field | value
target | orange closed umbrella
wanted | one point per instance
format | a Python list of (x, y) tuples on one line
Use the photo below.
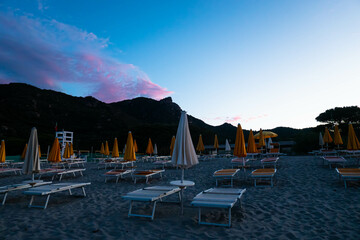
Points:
[(353, 142), (172, 144), (102, 148), (261, 139), (115, 151), (129, 154), (55, 155), (71, 149), (200, 146), (24, 152), (327, 138), (216, 142), (135, 146), (39, 152), (239, 149), (251, 147), (66, 151), (149, 148), (106, 151), (337, 137), (2, 152)]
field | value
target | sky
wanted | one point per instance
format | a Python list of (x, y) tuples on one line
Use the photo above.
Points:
[(262, 64)]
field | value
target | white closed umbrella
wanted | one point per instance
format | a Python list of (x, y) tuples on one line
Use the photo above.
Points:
[(184, 154), (270, 146), (321, 140), (155, 150), (32, 158), (227, 146)]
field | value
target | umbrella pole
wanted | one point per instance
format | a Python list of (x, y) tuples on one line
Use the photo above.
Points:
[(182, 175), (32, 177)]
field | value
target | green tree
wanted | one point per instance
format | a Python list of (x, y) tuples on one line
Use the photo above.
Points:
[(340, 115)]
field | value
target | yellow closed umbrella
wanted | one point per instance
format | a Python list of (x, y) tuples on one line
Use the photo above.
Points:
[(353, 142), (106, 151), (2, 152), (337, 137), (216, 142), (327, 138), (239, 149), (24, 152), (129, 154), (55, 155), (115, 150), (149, 148), (251, 147), (172, 145), (261, 139), (135, 146), (200, 146), (66, 151), (71, 149), (39, 152), (102, 148)]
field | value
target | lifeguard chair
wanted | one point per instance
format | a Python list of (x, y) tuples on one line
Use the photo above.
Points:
[(64, 137)]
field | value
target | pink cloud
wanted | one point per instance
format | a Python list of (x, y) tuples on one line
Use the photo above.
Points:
[(50, 54)]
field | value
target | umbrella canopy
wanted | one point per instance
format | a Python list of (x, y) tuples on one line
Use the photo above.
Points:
[(327, 138), (106, 151), (227, 146), (266, 134), (135, 146), (155, 150), (71, 149), (353, 142), (172, 144), (24, 152), (39, 152), (321, 140), (149, 148), (251, 147), (66, 151), (337, 137), (115, 150), (55, 155), (269, 144), (216, 142), (129, 154), (102, 148), (32, 158), (184, 154), (239, 149), (261, 138), (2, 152), (200, 146)]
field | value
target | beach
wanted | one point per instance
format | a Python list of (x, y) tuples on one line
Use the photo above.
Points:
[(307, 201)]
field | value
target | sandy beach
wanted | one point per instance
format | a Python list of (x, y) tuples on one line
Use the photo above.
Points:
[(307, 202)]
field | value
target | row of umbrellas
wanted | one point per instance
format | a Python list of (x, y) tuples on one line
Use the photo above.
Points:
[(352, 143)]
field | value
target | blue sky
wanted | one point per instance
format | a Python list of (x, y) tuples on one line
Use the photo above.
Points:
[(259, 63)]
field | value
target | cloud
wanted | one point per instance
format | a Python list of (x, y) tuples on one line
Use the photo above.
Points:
[(234, 120), (53, 55)]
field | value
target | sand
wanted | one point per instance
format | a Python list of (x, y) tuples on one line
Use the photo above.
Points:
[(307, 202)]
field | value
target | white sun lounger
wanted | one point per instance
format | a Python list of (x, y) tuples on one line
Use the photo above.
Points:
[(10, 170), (147, 174), (21, 186), (349, 174), (49, 171), (264, 174), (162, 163), (334, 160), (51, 189), (152, 195), (226, 174), (69, 171), (117, 173), (269, 161), (217, 198)]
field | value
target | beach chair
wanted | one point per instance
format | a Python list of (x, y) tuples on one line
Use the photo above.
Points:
[(117, 173), (217, 198), (240, 162), (226, 174), (147, 174), (152, 195), (16, 171), (269, 161), (49, 171), (21, 186), (349, 174), (263, 174), (334, 160), (69, 171), (48, 190), (162, 163)]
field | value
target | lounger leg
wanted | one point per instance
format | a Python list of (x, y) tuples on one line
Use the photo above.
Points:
[(74, 174), (199, 215), (147, 180), (345, 183), (81, 173), (130, 208), (4, 199), (70, 192), (60, 177), (255, 182), (47, 201), (31, 201), (216, 182), (153, 211), (83, 190), (230, 217)]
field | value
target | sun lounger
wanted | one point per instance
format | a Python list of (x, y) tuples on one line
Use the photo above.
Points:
[(349, 174), (21, 186), (162, 163), (117, 173), (78, 163), (240, 162), (147, 174), (51, 189), (269, 161), (152, 195), (10, 170), (217, 198), (69, 171), (226, 174), (334, 160), (263, 174), (49, 171)]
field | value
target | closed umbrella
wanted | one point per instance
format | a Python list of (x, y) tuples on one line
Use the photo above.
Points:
[(66, 151), (251, 147), (39, 152), (106, 151), (172, 144), (337, 137), (269, 144), (321, 140), (135, 146), (55, 154), (353, 142), (2, 152), (216, 142), (24, 152), (129, 154), (115, 150), (227, 146), (155, 150), (327, 138), (71, 149), (239, 149), (261, 139), (200, 146), (32, 158), (102, 148), (149, 148)]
